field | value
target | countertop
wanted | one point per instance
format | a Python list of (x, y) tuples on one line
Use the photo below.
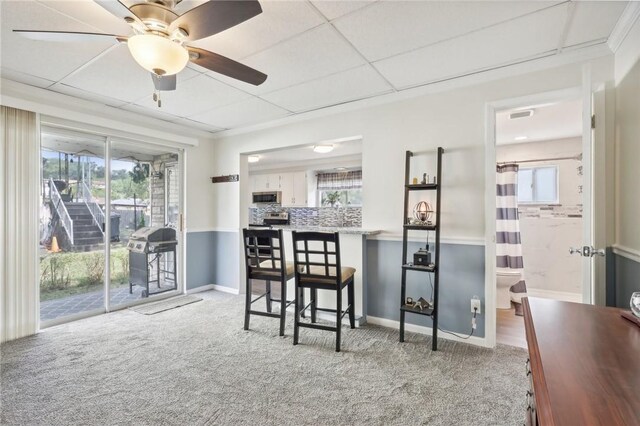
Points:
[(346, 230)]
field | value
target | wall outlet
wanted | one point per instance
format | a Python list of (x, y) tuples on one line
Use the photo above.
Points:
[(475, 305)]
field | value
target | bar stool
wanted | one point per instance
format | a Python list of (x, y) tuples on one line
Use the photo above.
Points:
[(317, 267), (264, 258)]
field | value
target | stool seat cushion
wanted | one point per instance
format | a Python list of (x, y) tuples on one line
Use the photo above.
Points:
[(346, 272), (266, 268)]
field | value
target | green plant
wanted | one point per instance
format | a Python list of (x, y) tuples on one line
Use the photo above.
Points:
[(94, 266), (332, 197), (142, 223), (54, 274)]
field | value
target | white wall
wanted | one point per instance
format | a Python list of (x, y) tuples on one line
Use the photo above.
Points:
[(627, 72), (453, 119)]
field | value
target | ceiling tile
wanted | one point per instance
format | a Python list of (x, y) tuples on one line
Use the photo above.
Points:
[(498, 45), (333, 9), (593, 21), (311, 55), (338, 88), (249, 111), (25, 78), (154, 112), (392, 27), (195, 95), (90, 13), (278, 21), (47, 60), (83, 94), (115, 74), (198, 125)]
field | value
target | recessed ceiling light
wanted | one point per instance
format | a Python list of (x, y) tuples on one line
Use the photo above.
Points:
[(323, 149), (520, 138), (253, 158)]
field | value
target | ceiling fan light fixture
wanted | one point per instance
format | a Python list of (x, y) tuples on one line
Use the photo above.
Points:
[(158, 54)]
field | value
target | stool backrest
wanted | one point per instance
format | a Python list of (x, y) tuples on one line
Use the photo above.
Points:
[(264, 253), (317, 256)]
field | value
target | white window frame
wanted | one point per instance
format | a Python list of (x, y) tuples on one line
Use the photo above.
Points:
[(319, 196), (534, 191)]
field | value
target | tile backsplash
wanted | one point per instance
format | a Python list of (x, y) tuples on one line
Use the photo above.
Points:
[(347, 217)]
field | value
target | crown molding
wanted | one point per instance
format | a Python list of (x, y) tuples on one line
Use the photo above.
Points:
[(628, 18), (537, 63)]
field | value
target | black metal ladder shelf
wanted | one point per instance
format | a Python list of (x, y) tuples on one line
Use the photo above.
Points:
[(406, 266)]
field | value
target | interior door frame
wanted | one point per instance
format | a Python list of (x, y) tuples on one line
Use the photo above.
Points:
[(91, 131), (491, 108)]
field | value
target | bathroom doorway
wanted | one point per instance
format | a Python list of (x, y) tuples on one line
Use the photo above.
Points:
[(539, 200)]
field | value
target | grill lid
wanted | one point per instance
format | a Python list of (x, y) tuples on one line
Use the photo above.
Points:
[(154, 234)]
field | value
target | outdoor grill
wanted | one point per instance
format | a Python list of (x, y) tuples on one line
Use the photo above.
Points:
[(149, 249)]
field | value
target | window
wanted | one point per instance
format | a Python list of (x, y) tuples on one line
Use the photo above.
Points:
[(538, 185), (340, 189)]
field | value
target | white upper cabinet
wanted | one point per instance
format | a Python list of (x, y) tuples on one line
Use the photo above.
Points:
[(292, 185)]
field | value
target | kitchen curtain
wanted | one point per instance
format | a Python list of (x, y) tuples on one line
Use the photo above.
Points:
[(340, 180), (508, 242), (19, 188)]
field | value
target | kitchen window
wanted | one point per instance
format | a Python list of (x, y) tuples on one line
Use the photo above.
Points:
[(340, 189), (538, 185)]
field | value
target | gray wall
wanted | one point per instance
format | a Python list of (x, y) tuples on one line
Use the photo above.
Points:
[(461, 278), (210, 259), (623, 278)]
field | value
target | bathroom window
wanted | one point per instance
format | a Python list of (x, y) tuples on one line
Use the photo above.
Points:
[(538, 185)]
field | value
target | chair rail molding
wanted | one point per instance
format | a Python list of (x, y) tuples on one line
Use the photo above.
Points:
[(627, 252)]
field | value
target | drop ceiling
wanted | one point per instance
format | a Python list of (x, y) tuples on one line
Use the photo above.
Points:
[(317, 53)]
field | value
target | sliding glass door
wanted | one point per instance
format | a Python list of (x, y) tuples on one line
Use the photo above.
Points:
[(97, 195), (145, 202)]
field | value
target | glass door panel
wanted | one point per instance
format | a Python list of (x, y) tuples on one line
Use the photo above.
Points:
[(144, 204), (72, 249)]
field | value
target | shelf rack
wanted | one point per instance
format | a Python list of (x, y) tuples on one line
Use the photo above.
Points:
[(406, 266)]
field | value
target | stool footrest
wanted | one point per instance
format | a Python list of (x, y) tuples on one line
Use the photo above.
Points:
[(258, 298), (265, 314), (317, 326)]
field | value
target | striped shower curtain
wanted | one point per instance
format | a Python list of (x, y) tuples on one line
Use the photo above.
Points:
[(508, 242)]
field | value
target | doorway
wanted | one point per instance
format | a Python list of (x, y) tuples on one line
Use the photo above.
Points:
[(539, 178), (97, 192)]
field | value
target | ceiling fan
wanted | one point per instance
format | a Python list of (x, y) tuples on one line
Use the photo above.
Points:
[(159, 43)]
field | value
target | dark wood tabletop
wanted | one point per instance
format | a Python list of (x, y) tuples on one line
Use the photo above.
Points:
[(585, 363)]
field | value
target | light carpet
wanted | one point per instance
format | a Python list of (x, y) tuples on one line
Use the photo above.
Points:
[(196, 365), (165, 305)]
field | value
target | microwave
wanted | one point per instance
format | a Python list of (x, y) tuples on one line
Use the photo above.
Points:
[(270, 197)]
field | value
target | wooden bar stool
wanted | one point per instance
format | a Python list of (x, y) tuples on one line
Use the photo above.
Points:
[(317, 267), (264, 258)]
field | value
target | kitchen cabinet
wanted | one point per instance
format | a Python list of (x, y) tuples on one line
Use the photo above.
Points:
[(294, 189), (266, 182)]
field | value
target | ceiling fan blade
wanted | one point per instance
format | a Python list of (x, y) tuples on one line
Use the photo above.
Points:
[(164, 83), (119, 10), (226, 66), (67, 36), (213, 17)]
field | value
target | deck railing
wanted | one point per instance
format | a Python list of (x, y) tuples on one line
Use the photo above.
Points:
[(92, 205), (61, 209)]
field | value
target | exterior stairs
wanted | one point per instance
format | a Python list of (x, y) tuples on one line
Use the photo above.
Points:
[(87, 235)]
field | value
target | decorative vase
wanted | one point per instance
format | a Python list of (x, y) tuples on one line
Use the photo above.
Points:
[(635, 303)]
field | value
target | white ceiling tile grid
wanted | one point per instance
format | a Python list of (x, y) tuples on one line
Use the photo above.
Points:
[(316, 53), (250, 111), (356, 83)]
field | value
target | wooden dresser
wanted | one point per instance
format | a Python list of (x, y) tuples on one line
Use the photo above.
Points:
[(584, 365)]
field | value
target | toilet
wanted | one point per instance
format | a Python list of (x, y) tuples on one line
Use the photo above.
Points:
[(505, 278)]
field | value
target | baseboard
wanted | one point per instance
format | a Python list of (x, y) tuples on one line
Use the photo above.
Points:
[(555, 295), (201, 289), (225, 289), (420, 329)]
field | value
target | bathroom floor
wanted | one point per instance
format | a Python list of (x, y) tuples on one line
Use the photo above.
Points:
[(510, 328)]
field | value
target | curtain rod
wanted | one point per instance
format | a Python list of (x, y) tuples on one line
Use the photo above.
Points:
[(538, 160)]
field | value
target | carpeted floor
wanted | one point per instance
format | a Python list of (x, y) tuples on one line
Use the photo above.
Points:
[(196, 365)]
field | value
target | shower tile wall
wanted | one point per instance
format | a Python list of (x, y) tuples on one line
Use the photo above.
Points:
[(348, 217)]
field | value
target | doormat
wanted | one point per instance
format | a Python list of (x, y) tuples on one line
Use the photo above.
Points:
[(165, 305)]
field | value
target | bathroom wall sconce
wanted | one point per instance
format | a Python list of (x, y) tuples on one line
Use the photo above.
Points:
[(422, 211)]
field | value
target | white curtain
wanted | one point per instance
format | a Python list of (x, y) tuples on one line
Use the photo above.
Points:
[(19, 187)]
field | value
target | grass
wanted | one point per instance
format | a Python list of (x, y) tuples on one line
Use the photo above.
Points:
[(66, 274)]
